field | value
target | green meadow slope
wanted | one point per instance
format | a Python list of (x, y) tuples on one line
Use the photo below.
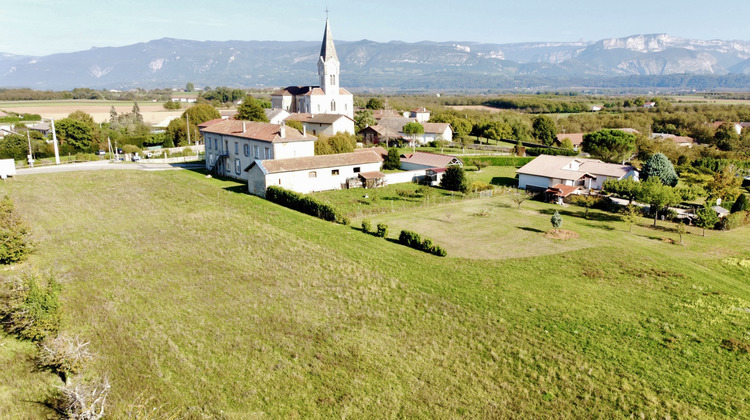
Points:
[(202, 301)]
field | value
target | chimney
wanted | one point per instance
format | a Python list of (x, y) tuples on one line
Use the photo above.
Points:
[(282, 130), (304, 129), (243, 127)]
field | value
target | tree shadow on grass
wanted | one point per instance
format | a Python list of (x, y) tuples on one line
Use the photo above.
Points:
[(602, 227), (503, 181), (239, 189), (593, 216), (530, 229)]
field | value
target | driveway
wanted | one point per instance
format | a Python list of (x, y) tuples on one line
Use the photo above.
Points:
[(103, 165)]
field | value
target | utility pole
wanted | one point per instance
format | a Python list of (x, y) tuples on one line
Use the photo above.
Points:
[(31, 154), (187, 128), (54, 141)]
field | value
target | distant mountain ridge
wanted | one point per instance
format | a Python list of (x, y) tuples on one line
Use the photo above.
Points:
[(373, 65)]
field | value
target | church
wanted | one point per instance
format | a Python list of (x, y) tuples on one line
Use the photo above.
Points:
[(328, 98)]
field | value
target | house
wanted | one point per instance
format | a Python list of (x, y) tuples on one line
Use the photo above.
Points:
[(328, 97), (559, 192), (421, 114), (324, 124), (377, 134), (678, 140), (185, 98), (596, 108), (436, 131), (379, 114), (389, 126), (382, 152), (43, 128), (721, 211), (576, 139), (424, 160), (548, 171), (276, 116), (649, 104), (316, 173), (232, 145)]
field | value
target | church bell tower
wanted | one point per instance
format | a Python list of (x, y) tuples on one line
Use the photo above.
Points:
[(328, 64)]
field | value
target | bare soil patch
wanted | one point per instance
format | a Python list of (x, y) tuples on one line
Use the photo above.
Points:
[(152, 113), (561, 234)]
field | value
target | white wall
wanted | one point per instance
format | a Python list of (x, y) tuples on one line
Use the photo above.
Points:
[(404, 176), (301, 181), (533, 180)]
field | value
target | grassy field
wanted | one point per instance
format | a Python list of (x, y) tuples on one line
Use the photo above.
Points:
[(205, 302)]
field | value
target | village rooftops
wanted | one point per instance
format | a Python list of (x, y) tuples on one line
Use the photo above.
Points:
[(377, 149), (273, 166), (434, 160), (271, 133), (572, 168), (317, 118)]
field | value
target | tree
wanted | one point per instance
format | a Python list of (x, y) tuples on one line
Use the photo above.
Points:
[(251, 110), (585, 201), (76, 133), (189, 87), (520, 196), (496, 130), (338, 143), (454, 179), (413, 129), (15, 234), (544, 130), (681, 230), (137, 113), (631, 214), (626, 188), (201, 113), (725, 184), (658, 196), (741, 204), (295, 125), (707, 218), (612, 146), (14, 146), (113, 115), (172, 105), (658, 166), (177, 131), (726, 137), (566, 144), (363, 119), (556, 220), (393, 160), (374, 103), (464, 141)]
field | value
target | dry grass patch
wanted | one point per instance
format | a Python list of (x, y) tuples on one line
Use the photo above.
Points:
[(561, 234)]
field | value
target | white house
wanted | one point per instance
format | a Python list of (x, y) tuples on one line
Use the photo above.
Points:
[(314, 173), (432, 131), (232, 145), (324, 124), (436, 131), (276, 116), (421, 114), (328, 97), (548, 171)]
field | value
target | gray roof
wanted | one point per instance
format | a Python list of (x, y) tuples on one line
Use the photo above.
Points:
[(559, 167), (395, 123), (274, 166), (327, 49)]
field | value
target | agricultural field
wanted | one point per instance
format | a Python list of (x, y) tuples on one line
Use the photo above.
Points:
[(153, 112), (201, 301)]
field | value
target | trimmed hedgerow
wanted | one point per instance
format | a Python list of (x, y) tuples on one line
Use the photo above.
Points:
[(504, 160), (536, 151), (304, 204), (413, 240)]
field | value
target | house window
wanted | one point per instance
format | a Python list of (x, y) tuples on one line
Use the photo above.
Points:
[(333, 79), (246, 149), (210, 159), (356, 169), (318, 107), (216, 144), (237, 166), (256, 152), (236, 148), (268, 153), (312, 174), (333, 105), (334, 171)]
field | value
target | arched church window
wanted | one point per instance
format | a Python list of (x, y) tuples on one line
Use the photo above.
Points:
[(333, 105), (333, 79)]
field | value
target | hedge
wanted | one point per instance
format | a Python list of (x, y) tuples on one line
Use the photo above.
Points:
[(504, 160), (302, 203), (735, 220), (536, 151), (413, 240)]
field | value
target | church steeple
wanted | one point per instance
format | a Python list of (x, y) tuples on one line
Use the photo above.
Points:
[(328, 64)]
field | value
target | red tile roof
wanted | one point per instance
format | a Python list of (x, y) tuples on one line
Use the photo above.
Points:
[(257, 131), (434, 160), (561, 190)]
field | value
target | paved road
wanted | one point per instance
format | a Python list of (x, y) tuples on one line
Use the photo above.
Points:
[(102, 165)]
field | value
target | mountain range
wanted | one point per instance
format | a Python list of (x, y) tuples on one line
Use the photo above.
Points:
[(656, 60)]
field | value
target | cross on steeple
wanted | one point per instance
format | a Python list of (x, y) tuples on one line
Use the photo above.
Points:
[(326, 12)]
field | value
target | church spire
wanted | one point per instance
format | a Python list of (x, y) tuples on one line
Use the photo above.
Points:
[(328, 50)]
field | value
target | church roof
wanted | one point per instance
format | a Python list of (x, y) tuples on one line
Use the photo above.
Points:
[(257, 131), (327, 50)]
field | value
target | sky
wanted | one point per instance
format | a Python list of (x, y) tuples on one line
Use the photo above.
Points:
[(41, 27)]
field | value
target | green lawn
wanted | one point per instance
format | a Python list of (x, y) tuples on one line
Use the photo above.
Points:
[(209, 303)]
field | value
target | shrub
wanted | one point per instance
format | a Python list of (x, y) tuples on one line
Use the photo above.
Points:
[(382, 230), (504, 160), (31, 307), (304, 204), (63, 355), (15, 234), (741, 204), (735, 220), (366, 225), (82, 399), (454, 179), (413, 240), (130, 148), (480, 186), (536, 151)]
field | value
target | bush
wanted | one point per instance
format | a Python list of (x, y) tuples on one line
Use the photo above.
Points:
[(304, 204), (15, 234), (382, 230), (82, 399), (413, 240), (735, 220), (536, 151), (130, 148), (454, 179), (480, 186), (504, 160), (63, 355), (31, 307), (366, 226)]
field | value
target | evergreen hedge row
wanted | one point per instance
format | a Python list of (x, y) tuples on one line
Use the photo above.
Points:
[(536, 151), (735, 220), (504, 160), (413, 240), (303, 203)]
